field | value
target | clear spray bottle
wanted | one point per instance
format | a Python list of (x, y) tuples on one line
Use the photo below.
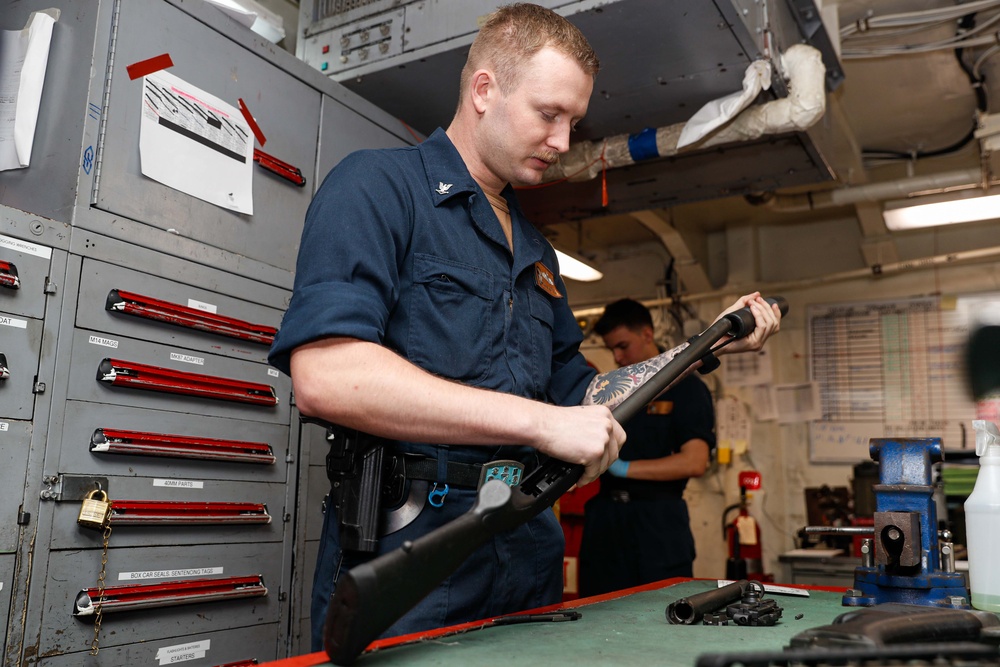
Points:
[(982, 520)]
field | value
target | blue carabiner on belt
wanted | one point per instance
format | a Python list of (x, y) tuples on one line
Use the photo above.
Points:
[(436, 495)]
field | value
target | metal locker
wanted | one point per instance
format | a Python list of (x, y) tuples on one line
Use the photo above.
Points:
[(15, 441), (286, 110), (344, 130)]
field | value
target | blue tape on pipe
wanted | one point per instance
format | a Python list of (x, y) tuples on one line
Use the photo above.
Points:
[(642, 146)]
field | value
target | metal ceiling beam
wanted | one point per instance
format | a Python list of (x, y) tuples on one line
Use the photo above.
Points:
[(690, 271)]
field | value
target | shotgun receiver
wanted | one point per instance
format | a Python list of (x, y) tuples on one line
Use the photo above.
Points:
[(372, 596)]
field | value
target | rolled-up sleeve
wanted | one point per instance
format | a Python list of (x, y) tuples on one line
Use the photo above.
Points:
[(347, 274)]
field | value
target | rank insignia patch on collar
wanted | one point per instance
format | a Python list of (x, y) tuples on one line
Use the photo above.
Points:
[(545, 279), (443, 188)]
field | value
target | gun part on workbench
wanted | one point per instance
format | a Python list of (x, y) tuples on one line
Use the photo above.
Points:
[(690, 610), (372, 596)]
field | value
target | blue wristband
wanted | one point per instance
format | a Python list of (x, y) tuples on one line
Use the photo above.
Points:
[(619, 468)]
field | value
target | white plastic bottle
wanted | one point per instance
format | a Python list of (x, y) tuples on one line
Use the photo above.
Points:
[(982, 520)]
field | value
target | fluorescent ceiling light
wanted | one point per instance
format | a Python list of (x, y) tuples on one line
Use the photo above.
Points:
[(954, 207), (575, 268)]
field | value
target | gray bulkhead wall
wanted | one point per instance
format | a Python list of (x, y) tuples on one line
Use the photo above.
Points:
[(80, 225)]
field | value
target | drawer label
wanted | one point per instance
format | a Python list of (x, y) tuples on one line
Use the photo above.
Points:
[(25, 247), (179, 483), (187, 358), (13, 322), (169, 574), (171, 655), (105, 342), (273, 372), (3, 427), (201, 305)]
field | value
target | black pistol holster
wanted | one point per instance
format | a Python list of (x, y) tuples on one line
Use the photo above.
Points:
[(357, 465)]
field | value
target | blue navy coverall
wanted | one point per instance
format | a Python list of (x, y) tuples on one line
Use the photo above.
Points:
[(402, 248)]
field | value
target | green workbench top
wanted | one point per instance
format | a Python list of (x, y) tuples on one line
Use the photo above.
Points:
[(631, 629)]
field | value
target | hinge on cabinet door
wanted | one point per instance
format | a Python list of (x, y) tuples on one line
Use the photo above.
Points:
[(49, 287), (23, 518), (37, 387)]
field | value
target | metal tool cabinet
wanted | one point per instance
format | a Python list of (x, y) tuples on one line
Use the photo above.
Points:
[(135, 321)]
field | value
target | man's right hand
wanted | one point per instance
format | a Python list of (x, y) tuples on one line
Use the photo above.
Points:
[(586, 434)]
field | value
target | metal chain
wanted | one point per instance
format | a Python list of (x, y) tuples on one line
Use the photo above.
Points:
[(99, 609)]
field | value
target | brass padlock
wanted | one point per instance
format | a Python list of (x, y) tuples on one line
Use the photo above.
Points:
[(95, 512)]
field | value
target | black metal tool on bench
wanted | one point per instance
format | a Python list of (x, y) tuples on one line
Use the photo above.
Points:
[(372, 596)]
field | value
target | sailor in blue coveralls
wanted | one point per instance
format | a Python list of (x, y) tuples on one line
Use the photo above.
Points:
[(636, 529), (426, 309)]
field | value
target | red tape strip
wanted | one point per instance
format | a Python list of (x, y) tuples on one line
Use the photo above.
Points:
[(144, 67), (253, 124)]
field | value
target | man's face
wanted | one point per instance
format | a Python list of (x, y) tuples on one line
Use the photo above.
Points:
[(628, 346), (525, 131)]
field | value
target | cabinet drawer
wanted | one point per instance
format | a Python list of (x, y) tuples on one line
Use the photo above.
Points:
[(24, 267), (70, 572), (224, 647), (15, 442), (91, 350), (78, 454), (20, 346), (123, 302), (186, 496), (287, 111)]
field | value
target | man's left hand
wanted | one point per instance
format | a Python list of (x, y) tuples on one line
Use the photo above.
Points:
[(767, 322)]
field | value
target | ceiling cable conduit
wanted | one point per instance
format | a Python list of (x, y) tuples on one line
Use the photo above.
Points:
[(877, 272), (804, 106), (871, 192)]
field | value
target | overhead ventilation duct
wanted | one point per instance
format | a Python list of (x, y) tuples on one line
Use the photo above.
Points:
[(804, 106)]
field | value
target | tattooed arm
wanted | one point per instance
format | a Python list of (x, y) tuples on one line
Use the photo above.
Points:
[(612, 388)]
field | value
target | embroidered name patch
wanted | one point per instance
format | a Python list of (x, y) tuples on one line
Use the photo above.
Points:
[(660, 408), (545, 279)]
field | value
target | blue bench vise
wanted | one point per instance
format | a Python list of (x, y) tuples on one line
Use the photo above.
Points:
[(903, 561)]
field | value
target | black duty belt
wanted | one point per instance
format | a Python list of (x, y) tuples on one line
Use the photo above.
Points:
[(458, 474)]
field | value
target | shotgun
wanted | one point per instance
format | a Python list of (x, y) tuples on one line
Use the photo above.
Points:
[(372, 596)]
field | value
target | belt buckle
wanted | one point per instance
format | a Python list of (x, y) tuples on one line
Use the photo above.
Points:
[(507, 471)]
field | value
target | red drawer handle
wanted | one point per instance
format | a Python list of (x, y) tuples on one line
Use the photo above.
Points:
[(116, 441), (167, 594), (147, 307), (8, 276), (120, 373), (169, 513)]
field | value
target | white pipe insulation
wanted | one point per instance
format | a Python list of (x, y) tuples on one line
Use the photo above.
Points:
[(804, 106)]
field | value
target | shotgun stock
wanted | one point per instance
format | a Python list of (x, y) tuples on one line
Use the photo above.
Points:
[(372, 596)]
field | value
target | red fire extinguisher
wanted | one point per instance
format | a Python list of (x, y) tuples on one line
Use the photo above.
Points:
[(742, 535)]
